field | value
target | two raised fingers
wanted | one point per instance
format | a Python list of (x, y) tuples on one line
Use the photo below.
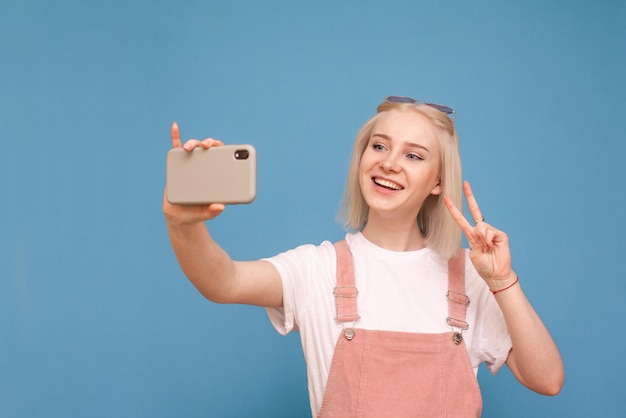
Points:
[(474, 209)]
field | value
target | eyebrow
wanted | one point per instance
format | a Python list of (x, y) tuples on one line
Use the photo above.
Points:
[(410, 144)]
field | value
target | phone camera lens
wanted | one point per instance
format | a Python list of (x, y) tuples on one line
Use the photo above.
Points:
[(242, 154)]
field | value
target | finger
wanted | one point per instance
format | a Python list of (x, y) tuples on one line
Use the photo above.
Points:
[(205, 143), (209, 212), (175, 134), (487, 237), (215, 209), (458, 217), (472, 205), (191, 144), (210, 142)]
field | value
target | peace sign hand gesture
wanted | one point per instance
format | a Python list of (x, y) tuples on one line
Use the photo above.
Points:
[(489, 247)]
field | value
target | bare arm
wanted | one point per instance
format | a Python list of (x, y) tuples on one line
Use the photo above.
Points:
[(534, 359), (205, 263)]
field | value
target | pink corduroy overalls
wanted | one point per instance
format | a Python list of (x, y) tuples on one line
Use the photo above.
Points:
[(400, 374)]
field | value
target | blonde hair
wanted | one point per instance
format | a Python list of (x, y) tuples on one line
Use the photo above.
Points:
[(441, 233)]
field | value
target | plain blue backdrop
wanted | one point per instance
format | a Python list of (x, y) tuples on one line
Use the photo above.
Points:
[(96, 319)]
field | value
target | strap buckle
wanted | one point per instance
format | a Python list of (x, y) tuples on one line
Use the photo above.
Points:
[(457, 323), (350, 293), (459, 298)]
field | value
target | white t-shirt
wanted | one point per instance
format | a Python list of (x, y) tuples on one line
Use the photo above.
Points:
[(398, 291)]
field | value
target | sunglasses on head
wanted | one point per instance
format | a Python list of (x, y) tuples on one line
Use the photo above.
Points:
[(404, 99)]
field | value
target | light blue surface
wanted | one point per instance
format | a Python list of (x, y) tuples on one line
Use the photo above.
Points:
[(96, 319)]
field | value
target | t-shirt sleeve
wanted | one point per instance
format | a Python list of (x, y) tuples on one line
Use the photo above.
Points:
[(493, 339), (283, 318), (300, 270)]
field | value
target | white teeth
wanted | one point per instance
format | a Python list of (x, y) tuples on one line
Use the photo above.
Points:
[(387, 184)]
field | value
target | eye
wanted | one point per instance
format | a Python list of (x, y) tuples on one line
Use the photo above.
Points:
[(378, 147), (414, 157)]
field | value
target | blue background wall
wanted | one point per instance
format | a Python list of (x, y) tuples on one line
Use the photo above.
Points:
[(96, 319)]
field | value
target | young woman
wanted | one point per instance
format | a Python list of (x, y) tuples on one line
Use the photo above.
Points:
[(395, 319)]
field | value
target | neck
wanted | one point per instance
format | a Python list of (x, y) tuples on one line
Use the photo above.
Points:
[(393, 235)]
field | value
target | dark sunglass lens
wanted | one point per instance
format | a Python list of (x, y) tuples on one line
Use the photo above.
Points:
[(400, 99), (441, 108)]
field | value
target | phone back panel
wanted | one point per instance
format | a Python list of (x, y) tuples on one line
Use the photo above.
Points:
[(215, 175)]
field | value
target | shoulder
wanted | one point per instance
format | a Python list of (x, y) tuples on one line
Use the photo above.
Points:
[(306, 257)]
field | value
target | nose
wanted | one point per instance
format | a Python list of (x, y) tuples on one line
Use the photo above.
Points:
[(389, 163)]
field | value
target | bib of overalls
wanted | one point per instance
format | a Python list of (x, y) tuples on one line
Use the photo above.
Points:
[(399, 374)]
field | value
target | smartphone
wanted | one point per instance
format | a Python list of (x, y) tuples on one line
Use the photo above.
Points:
[(222, 174)]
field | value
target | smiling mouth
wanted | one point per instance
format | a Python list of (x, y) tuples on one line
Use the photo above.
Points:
[(387, 184)]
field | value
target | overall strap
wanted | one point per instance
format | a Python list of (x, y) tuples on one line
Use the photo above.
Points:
[(457, 299), (345, 290)]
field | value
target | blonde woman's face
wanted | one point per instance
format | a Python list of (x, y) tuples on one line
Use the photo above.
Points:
[(399, 168)]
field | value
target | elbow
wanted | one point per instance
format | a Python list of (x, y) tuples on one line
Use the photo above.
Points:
[(557, 382), (544, 376), (552, 390), (556, 387), (550, 386)]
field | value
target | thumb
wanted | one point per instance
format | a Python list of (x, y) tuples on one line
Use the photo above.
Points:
[(214, 210)]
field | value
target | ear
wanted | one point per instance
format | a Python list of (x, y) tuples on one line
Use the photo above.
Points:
[(437, 190)]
